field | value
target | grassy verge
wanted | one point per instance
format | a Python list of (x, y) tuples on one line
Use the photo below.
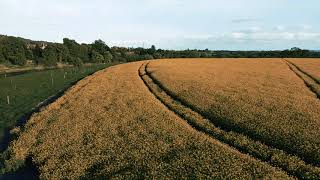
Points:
[(291, 164), (21, 93)]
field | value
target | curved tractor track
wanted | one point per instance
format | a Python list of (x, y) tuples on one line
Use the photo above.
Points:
[(311, 82), (291, 164)]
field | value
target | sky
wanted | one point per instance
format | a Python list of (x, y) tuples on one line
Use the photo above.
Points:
[(168, 24)]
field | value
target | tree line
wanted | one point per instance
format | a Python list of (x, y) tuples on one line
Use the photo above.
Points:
[(19, 51)]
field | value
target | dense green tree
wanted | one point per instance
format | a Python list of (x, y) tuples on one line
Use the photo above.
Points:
[(13, 50), (119, 58), (107, 57), (84, 52), (132, 57), (50, 55), (96, 57), (37, 53), (76, 61), (29, 54), (2, 58), (152, 50), (77, 51), (63, 54), (73, 47), (100, 46), (205, 55), (147, 57), (157, 55)]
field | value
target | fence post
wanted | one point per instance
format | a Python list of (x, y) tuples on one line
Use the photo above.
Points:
[(8, 99), (51, 79)]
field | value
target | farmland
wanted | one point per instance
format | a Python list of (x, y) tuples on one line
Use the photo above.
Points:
[(266, 102), (308, 77), (309, 66), (179, 118), (20, 93)]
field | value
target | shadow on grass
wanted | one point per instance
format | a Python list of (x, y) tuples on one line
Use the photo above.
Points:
[(29, 172)]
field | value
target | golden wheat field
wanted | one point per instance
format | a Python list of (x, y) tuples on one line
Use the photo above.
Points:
[(179, 118), (306, 70), (310, 66)]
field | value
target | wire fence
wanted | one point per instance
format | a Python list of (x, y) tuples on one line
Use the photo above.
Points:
[(21, 92)]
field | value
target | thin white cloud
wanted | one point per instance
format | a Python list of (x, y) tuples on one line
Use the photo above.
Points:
[(250, 39), (244, 20), (306, 26), (238, 35), (275, 36), (280, 28)]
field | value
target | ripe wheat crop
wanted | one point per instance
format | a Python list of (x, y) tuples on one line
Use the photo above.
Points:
[(111, 125), (262, 99), (309, 66), (190, 118)]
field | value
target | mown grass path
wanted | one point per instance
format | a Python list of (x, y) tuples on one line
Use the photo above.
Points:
[(293, 165)]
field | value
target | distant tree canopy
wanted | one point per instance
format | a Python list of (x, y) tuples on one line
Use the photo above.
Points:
[(50, 55), (107, 56), (13, 50), (17, 51), (96, 57), (100, 46), (2, 58)]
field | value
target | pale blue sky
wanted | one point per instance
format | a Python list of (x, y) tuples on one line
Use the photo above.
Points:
[(169, 24)]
